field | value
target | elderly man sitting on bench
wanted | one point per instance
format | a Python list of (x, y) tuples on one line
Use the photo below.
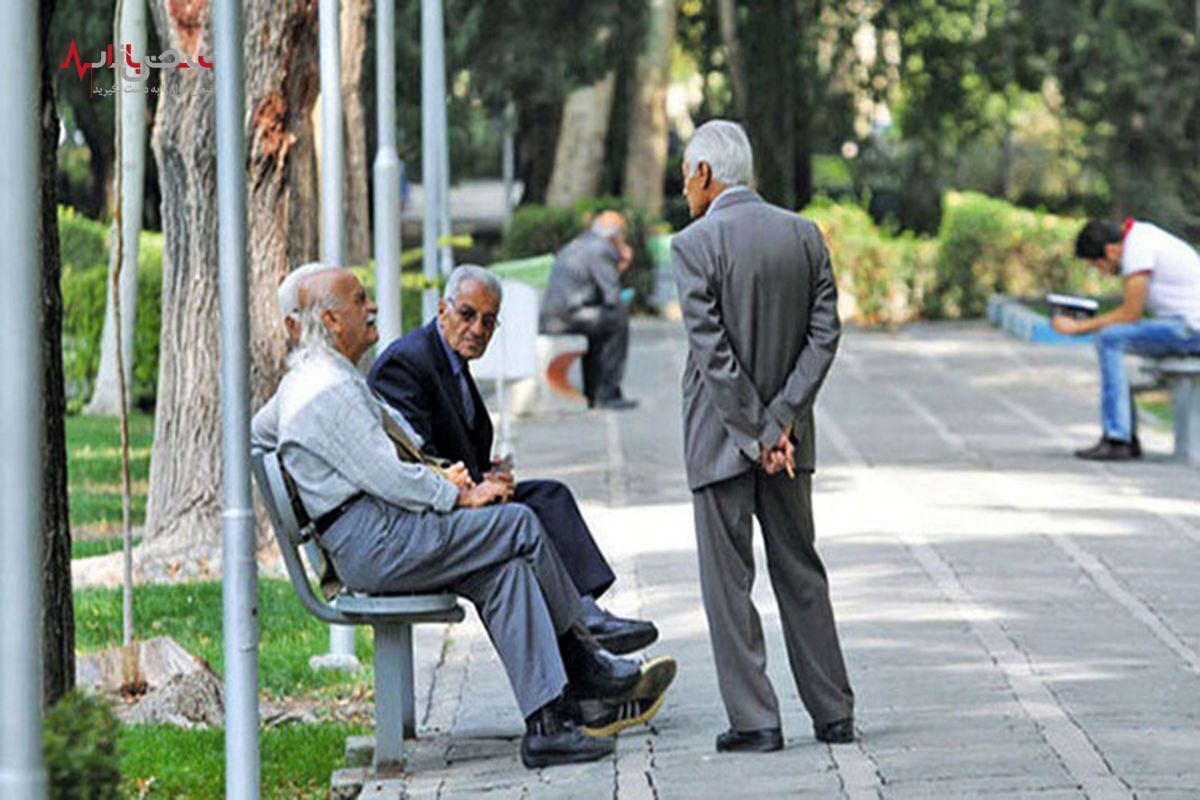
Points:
[(392, 520)]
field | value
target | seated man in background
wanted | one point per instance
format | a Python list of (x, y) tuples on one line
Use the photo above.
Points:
[(391, 524), (584, 296), (1161, 273), (426, 376)]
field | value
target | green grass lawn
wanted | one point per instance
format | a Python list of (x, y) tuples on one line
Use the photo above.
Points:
[(168, 762), (94, 472), (191, 614)]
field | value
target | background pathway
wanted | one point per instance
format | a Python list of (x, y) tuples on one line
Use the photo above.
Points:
[(1016, 623)]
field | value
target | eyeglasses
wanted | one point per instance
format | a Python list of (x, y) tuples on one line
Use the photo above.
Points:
[(468, 315)]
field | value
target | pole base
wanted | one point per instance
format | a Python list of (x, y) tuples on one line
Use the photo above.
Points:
[(334, 661)]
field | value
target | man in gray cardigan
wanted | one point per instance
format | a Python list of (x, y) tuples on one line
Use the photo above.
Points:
[(759, 302)]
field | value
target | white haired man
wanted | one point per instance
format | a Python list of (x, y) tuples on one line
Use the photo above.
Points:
[(759, 303), (394, 525), (584, 296)]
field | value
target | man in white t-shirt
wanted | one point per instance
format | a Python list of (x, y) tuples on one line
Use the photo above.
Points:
[(1162, 274)]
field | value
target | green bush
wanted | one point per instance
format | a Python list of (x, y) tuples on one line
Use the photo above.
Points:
[(881, 277), (537, 230), (987, 246), (79, 745), (84, 245)]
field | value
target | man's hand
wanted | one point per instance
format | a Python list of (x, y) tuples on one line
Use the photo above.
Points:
[(780, 456), (500, 472), (1067, 326), (484, 494), (460, 476)]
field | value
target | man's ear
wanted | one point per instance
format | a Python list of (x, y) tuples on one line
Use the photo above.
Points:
[(705, 172), (292, 327)]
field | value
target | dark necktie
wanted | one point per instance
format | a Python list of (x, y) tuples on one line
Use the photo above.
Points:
[(464, 387)]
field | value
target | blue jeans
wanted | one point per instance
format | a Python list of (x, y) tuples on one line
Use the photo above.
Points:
[(1158, 337)]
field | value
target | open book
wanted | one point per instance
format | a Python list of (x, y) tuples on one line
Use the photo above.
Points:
[(1069, 305)]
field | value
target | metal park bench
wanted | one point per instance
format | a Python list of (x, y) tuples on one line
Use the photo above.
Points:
[(391, 616), (1182, 374)]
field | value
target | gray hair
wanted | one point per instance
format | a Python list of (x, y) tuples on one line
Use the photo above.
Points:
[(315, 338), (722, 145), (288, 293), (472, 272)]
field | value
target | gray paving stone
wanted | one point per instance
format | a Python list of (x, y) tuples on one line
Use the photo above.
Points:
[(987, 659)]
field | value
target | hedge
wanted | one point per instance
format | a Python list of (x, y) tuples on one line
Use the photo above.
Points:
[(84, 247), (985, 246), (537, 230)]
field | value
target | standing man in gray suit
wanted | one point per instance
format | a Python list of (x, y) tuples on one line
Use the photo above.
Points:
[(760, 306)]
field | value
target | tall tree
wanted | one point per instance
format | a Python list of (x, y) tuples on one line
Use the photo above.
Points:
[(58, 609), (353, 35), (183, 511), (646, 151), (131, 171), (579, 156)]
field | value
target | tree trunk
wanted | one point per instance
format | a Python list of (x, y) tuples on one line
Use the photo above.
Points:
[(58, 608), (579, 156), (100, 147), (735, 65), (353, 25), (646, 152), (106, 398), (537, 133), (184, 507)]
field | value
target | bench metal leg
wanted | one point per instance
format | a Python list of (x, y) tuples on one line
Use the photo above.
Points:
[(408, 682), (1185, 402), (392, 641)]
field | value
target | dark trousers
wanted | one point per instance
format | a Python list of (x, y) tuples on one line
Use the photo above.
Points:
[(607, 332), (556, 509), (783, 507)]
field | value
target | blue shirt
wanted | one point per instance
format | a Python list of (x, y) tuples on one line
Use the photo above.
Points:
[(459, 367)]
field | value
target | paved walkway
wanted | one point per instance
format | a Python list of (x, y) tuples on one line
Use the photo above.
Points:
[(1016, 623)]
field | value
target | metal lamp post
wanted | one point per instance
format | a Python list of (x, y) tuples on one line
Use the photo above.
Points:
[(240, 583), (387, 176), (333, 235), (21, 773)]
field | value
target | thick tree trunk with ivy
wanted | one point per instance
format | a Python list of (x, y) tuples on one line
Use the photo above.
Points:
[(58, 609), (184, 507), (646, 153), (579, 156), (353, 27)]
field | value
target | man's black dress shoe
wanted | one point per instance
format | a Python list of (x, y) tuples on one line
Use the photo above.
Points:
[(594, 672), (1111, 450), (837, 732), (766, 740), (552, 737), (619, 635)]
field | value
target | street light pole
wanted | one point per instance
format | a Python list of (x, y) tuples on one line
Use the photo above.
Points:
[(21, 423), (387, 176), (240, 576), (333, 233), (433, 96)]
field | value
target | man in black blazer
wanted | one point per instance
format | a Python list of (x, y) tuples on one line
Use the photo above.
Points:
[(425, 375)]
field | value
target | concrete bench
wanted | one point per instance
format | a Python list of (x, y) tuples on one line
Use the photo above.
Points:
[(1182, 374), (391, 617)]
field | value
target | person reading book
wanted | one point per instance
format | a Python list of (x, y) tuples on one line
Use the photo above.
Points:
[(1161, 274)]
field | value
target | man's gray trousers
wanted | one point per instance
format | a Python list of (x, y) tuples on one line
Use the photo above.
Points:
[(783, 507), (495, 556)]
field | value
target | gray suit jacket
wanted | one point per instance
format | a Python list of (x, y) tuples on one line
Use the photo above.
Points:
[(759, 302), (584, 274)]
